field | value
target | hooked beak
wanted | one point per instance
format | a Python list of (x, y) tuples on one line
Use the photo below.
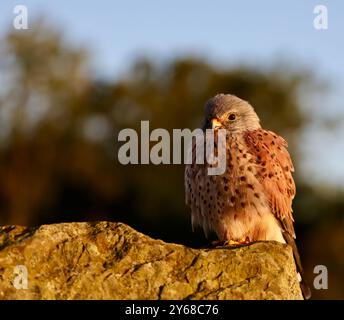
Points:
[(215, 123)]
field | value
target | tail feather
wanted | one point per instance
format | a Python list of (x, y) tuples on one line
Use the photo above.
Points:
[(306, 291)]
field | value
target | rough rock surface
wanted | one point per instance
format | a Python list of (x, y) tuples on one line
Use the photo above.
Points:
[(108, 260)]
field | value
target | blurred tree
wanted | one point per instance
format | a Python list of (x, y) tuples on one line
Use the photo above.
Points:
[(59, 126), (58, 156)]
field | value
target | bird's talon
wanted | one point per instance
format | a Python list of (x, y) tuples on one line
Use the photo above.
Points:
[(232, 243)]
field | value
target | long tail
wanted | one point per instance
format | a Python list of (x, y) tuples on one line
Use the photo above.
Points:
[(306, 291)]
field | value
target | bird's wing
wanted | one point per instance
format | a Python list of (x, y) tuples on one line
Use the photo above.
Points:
[(274, 170)]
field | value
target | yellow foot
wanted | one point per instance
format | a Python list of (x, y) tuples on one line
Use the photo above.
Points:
[(221, 243), (232, 243), (242, 241)]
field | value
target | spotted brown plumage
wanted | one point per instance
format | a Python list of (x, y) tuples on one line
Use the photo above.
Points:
[(274, 168), (252, 199)]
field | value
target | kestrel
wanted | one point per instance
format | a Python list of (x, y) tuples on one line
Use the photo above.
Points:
[(252, 200)]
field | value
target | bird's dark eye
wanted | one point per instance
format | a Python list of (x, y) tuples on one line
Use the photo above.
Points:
[(232, 116)]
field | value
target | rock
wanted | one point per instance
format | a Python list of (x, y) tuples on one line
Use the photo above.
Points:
[(106, 260)]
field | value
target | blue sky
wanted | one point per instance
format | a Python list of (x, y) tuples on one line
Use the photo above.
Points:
[(226, 31), (258, 33)]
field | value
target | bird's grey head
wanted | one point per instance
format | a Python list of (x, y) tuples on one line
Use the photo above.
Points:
[(231, 113)]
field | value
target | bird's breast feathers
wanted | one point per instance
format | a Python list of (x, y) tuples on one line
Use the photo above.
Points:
[(257, 181)]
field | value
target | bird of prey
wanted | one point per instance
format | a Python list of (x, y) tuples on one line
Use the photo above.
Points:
[(252, 200)]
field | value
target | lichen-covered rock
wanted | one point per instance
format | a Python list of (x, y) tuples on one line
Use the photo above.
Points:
[(108, 260)]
